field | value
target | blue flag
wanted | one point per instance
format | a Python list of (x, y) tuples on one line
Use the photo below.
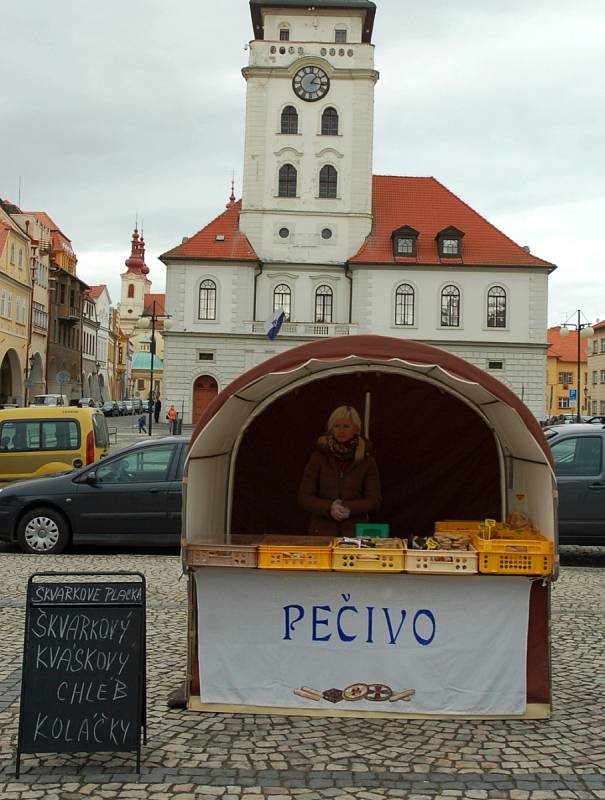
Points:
[(274, 323)]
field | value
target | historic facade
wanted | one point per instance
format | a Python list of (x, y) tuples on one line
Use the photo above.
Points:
[(340, 250)]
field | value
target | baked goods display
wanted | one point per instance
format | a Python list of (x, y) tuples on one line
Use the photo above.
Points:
[(374, 692)]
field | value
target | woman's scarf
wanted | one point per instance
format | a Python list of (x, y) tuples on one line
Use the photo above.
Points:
[(343, 451)]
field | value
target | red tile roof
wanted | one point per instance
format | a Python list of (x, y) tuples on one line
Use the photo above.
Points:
[(160, 303), (205, 244), (429, 207), (96, 291), (565, 348)]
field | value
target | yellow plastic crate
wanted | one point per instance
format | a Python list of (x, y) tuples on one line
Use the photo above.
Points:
[(387, 555), (295, 552), (509, 554), (442, 562)]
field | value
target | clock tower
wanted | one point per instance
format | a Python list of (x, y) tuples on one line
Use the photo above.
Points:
[(307, 187)]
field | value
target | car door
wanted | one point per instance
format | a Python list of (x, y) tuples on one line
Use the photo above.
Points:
[(174, 500), (127, 499), (579, 466)]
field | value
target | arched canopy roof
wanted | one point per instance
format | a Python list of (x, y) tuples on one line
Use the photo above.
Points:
[(466, 411)]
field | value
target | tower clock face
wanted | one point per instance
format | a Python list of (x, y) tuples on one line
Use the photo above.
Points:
[(311, 83)]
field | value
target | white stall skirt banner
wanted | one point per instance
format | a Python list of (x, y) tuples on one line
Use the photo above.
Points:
[(388, 643)]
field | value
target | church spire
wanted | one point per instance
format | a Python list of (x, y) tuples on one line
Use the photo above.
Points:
[(231, 202), (136, 261)]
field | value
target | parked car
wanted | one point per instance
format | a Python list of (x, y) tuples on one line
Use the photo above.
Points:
[(122, 407), (50, 400), (40, 441), (579, 455), (596, 420), (89, 402), (110, 408), (137, 405), (129, 406), (132, 497)]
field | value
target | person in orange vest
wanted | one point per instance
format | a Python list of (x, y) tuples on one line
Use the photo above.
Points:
[(171, 417)]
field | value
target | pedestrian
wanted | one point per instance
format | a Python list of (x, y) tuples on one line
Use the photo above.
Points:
[(340, 485), (141, 421), (171, 417), (157, 407)]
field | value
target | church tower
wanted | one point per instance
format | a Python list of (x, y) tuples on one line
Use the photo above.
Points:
[(135, 284), (307, 188)]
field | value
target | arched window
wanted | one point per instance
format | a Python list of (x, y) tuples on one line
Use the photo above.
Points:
[(131, 290), (340, 35), (289, 120), (450, 307), (323, 304), (329, 122), (282, 298), (207, 301), (287, 181), (284, 33), (328, 181), (404, 305), (496, 307)]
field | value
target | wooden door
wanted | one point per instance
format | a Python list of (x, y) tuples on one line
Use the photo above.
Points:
[(205, 390)]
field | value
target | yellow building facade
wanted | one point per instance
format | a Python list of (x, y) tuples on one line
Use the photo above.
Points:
[(15, 310)]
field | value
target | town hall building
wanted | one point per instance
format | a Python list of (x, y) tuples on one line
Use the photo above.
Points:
[(340, 250)]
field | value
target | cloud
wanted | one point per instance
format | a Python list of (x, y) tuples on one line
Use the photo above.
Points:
[(114, 109)]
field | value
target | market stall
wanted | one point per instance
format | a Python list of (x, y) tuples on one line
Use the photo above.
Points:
[(452, 443)]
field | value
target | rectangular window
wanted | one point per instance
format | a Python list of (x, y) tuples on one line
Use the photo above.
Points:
[(495, 365), (594, 376), (450, 247), (284, 35), (205, 356), (405, 247), (563, 402), (62, 293), (601, 407), (140, 384), (340, 36), (602, 345), (36, 435), (602, 376), (565, 377), (595, 405)]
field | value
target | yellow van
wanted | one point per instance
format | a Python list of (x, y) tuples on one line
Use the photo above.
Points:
[(38, 441)]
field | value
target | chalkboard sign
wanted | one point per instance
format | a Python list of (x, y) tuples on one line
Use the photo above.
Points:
[(83, 682)]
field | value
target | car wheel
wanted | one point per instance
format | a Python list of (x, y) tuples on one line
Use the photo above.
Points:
[(43, 531)]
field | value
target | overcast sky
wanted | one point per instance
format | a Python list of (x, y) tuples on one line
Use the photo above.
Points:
[(119, 107)]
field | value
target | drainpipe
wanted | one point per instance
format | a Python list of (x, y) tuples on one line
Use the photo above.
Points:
[(349, 276), (256, 277)]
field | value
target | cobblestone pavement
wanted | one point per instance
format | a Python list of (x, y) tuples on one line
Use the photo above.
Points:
[(257, 757)]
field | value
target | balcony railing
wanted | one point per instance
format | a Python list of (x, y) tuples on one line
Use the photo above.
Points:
[(306, 329)]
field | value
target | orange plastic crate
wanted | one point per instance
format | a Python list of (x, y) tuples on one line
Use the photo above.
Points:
[(388, 555), (295, 552), (458, 525), (507, 553)]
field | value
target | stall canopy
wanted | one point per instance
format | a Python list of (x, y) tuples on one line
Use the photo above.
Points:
[(450, 440)]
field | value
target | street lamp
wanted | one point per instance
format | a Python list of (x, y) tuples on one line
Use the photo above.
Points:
[(583, 329), (29, 367), (143, 322)]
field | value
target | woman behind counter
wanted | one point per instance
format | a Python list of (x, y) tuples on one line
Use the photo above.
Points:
[(340, 485)]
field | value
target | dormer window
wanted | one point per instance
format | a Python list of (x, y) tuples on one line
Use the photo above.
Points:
[(404, 242), (449, 242), (340, 36), (284, 34)]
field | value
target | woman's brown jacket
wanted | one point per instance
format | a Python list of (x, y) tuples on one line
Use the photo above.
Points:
[(323, 481)]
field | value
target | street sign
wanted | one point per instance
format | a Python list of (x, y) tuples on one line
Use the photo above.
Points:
[(573, 395), (63, 377)]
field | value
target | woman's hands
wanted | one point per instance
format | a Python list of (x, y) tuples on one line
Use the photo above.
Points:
[(338, 511)]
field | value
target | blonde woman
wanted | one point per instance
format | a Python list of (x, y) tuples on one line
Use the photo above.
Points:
[(340, 485)]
